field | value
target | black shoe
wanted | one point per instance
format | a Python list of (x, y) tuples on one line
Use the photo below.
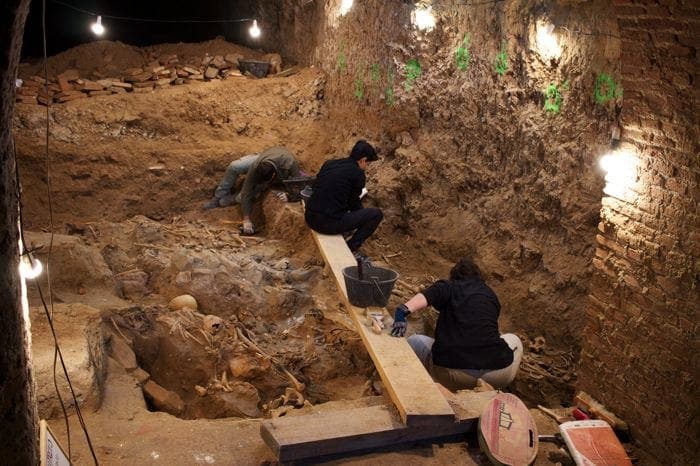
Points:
[(212, 203), (361, 257)]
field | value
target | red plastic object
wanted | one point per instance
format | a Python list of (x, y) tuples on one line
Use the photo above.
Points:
[(579, 415)]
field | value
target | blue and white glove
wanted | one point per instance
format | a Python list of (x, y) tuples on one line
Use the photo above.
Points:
[(399, 327)]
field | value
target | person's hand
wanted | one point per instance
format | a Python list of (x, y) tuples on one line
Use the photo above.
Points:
[(248, 228), (399, 327), (282, 196)]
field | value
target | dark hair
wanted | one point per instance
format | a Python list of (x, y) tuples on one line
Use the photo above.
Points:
[(362, 149), (265, 171), (465, 268)]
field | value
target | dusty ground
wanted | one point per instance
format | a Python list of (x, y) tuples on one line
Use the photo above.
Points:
[(128, 175)]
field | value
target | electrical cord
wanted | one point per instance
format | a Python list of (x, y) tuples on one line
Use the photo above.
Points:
[(154, 20), (584, 33), (58, 355)]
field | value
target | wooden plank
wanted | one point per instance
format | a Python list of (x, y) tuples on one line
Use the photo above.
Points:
[(410, 387), (334, 432)]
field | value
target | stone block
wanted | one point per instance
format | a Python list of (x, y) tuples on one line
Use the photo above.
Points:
[(123, 354), (70, 75), (190, 70), (121, 84), (99, 93), (141, 375), (68, 98), (211, 72), (139, 78), (64, 84), (162, 399)]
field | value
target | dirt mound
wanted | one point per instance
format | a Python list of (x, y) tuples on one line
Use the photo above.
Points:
[(192, 51), (87, 58), (109, 58)]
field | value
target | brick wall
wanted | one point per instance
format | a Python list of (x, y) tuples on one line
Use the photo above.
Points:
[(640, 347)]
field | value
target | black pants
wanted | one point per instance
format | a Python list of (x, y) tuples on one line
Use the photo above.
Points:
[(363, 221)]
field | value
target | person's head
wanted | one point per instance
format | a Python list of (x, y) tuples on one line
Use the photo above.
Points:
[(363, 153), (266, 171), (465, 268)]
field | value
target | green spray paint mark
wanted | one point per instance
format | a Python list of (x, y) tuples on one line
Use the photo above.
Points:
[(375, 73), (360, 85), (606, 89), (552, 102), (342, 61), (462, 55), (501, 63), (389, 91), (413, 72)]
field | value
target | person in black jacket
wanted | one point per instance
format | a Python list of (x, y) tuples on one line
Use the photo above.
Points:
[(467, 344), (335, 205)]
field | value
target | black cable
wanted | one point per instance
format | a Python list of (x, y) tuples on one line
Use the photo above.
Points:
[(154, 20), (584, 33), (21, 224), (58, 355)]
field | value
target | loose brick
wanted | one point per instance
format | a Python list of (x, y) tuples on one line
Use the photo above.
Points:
[(72, 96), (70, 75)]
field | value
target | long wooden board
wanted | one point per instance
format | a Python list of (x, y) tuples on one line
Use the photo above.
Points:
[(411, 388), (336, 432)]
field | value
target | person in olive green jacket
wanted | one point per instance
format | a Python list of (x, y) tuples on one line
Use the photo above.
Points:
[(271, 166)]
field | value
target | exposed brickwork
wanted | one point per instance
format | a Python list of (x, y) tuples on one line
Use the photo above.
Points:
[(640, 346)]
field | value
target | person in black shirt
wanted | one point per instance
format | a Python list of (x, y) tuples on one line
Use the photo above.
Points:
[(335, 205), (467, 344)]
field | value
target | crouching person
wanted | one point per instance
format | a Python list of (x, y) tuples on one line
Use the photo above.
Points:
[(467, 344)]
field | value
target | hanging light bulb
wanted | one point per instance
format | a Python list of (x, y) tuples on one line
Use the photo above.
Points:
[(30, 268), (423, 18), (254, 30), (620, 167), (97, 27), (547, 43), (345, 6)]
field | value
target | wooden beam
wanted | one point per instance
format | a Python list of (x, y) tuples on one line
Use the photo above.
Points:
[(294, 438), (411, 388)]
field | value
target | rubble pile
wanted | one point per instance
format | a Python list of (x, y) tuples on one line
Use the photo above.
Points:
[(165, 71)]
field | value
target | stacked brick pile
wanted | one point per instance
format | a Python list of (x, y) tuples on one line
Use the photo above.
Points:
[(164, 72)]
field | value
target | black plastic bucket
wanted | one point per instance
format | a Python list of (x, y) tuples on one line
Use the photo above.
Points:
[(375, 287), (257, 68), (294, 187)]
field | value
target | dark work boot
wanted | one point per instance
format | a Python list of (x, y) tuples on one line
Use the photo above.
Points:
[(212, 203), (229, 200)]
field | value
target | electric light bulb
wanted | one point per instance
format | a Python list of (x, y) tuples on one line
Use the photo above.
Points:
[(547, 44), (620, 172), (345, 6), (27, 271), (97, 27), (423, 18), (254, 30)]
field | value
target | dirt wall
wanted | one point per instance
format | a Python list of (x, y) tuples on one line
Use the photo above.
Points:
[(641, 335), (472, 162), (19, 428)]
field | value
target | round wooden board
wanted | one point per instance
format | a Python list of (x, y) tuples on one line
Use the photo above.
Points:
[(507, 432)]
